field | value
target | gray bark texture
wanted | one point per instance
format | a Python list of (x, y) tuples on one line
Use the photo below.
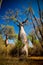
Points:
[(24, 40)]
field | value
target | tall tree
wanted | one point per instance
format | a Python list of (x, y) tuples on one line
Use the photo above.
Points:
[(22, 35), (31, 11), (36, 31)]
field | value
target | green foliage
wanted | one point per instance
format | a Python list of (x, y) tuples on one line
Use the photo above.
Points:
[(14, 19), (16, 36), (19, 44), (9, 30), (2, 46), (36, 50), (36, 41), (3, 49), (29, 37)]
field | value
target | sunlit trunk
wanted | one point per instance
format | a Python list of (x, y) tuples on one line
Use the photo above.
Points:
[(24, 40), (6, 41)]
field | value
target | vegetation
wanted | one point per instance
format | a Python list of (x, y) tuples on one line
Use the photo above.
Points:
[(36, 36), (19, 52)]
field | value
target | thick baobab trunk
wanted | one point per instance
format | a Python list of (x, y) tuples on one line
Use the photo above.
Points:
[(23, 38), (6, 41)]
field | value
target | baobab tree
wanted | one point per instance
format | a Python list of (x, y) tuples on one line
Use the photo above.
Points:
[(22, 35)]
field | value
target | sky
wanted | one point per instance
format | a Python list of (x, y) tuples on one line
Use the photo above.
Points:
[(20, 5)]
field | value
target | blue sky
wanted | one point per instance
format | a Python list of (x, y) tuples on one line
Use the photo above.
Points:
[(21, 5)]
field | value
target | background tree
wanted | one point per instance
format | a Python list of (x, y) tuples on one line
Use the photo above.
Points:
[(36, 25), (8, 32)]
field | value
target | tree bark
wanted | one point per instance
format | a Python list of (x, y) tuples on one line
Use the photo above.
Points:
[(6, 41), (23, 38)]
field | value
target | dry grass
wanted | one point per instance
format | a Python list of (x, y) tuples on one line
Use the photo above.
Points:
[(23, 60)]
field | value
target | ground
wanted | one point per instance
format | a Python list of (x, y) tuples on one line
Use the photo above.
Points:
[(21, 60)]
